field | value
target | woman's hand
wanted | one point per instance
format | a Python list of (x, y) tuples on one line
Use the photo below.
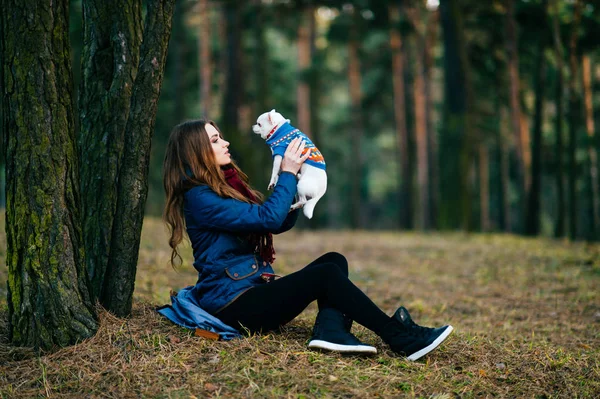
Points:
[(293, 158)]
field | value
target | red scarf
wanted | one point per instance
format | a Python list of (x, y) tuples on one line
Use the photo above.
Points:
[(263, 243)]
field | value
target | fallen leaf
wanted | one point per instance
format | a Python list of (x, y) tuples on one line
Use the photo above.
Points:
[(210, 387)]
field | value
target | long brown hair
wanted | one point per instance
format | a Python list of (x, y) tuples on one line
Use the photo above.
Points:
[(189, 162)]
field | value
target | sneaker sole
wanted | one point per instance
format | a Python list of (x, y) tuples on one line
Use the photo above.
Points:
[(432, 346), (319, 344)]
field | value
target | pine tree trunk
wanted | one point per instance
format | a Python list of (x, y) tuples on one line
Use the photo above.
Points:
[(514, 94), (110, 60), (505, 217), (592, 154), (230, 119), (573, 122), (457, 137), (484, 188), (303, 94), (405, 177), (178, 50), (421, 125), (356, 162), (49, 301), (559, 227), (532, 222), (521, 135), (431, 38), (262, 89), (205, 61), (133, 174), (422, 144)]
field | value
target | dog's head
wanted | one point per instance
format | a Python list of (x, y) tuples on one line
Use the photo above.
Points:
[(267, 123)]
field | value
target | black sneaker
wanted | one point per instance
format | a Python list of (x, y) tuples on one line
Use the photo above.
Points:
[(331, 332), (407, 338)]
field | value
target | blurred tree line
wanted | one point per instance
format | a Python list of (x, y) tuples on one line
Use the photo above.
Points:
[(431, 115)]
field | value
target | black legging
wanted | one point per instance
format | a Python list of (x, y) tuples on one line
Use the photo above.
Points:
[(271, 305)]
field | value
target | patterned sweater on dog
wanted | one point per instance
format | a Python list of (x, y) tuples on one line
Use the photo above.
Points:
[(285, 134)]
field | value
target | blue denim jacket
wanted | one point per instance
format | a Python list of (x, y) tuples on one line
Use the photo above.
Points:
[(217, 227)]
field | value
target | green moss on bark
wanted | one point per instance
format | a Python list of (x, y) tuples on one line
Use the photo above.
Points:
[(49, 302)]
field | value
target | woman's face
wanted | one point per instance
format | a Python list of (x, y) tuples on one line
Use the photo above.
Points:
[(219, 145)]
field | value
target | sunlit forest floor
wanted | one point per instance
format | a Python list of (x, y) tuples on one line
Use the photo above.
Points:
[(526, 313)]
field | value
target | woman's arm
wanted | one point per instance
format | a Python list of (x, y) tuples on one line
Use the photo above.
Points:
[(289, 222), (207, 210)]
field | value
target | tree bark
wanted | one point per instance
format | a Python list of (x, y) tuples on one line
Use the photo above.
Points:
[(573, 121), (532, 221), (398, 56), (133, 174), (49, 302), (592, 154), (560, 226), (109, 66)]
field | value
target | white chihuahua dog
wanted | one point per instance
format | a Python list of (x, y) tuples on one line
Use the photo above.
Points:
[(312, 179)]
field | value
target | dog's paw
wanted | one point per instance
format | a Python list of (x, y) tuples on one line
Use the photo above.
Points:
[(271, 186)]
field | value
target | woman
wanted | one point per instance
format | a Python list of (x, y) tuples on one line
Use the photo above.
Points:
[(230, 231)]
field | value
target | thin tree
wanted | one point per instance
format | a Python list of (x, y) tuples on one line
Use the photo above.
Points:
[(457, 136), (204, 57), (398, 60), (119, 92), (304, 62), (573, 120), (559, 227), (49, 302), (532, 222), (590, 129), (357, 162), (416, 17), (521, 136)]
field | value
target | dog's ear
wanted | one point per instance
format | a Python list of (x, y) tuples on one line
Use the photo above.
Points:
[(270, 120)]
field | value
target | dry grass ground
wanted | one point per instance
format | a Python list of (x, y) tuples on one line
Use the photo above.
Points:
[(526, 313)]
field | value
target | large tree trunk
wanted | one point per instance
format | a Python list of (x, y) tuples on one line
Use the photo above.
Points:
[(573, 121), (532, 221), (457, 137), (133, 174), (204, 58), (117, 113), (358, 204), (304, 60), (109, 66), (49, 302), (520, 134), (405, 178), (559, 227), (592, 154)]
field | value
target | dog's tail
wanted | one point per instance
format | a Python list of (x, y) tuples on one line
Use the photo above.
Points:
[(309, 207)]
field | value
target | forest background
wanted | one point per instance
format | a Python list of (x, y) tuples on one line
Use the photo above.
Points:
[(479, 117)]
